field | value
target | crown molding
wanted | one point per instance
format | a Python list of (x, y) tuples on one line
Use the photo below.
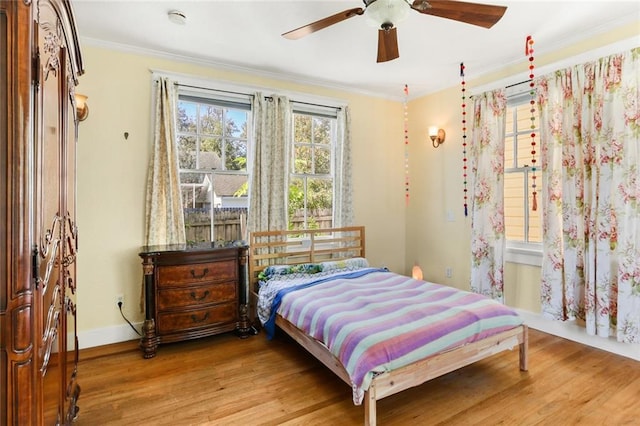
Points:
[(541, 49), (548, 48), (283, 77)]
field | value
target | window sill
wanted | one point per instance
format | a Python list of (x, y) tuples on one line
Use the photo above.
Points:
[(524, 254)]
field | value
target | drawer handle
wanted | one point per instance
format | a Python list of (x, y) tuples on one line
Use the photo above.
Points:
[(204, 318), (204, 273), (204, 296)]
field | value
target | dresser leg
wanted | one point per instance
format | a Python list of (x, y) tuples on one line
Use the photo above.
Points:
[(245, 328), (149, 340)]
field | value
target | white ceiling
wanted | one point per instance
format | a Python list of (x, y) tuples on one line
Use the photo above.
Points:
[(246, 36)]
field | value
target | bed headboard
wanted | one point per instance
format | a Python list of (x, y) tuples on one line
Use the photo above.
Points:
[(302, 246)]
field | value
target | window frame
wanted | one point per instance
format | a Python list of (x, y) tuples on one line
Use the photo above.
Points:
[(225, 101), (313, 111), (516, 251)]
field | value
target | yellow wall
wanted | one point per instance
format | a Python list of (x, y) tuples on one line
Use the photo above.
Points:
[(112, 175)]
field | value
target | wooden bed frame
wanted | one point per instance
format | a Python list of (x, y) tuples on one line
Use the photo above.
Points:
[(310, 246)]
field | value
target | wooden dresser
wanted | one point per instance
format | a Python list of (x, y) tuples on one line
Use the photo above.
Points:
[(193, 291)]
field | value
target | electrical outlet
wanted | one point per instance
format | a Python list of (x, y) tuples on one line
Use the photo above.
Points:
[(120, 300), (448, 272), (450, 216)]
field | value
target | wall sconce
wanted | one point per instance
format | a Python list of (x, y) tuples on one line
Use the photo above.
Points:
[(82, 109), (437, 136)]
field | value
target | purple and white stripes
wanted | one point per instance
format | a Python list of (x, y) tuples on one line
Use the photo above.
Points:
[(382, 321)]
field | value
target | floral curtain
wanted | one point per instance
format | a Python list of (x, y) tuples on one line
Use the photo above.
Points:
[(343, 203), (486, 164), (268, 186), (164, 216), (590, 134)]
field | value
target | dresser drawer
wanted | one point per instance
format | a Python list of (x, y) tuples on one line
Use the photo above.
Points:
[(196, 295), (182, 321), (197, 273)]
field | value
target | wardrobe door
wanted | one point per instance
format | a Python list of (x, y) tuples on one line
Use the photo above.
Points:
[(5, 352), (55, 229), (70, 248), (49, 212), (18, 339)]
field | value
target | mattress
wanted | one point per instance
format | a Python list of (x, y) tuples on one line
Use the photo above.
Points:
[(374, 321)]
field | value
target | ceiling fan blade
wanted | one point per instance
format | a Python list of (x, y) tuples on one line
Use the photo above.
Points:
[(322, 23), (482, 15), (387, 44)]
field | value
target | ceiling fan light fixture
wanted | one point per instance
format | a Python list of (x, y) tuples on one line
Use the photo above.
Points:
[(385, 12), (385, 15)]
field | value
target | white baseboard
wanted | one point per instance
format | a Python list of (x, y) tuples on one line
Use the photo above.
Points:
[(571, 331), (567, 330), (107, 335)]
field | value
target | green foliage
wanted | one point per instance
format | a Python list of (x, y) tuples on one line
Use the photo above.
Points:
[(209, 128), (296, 196), (311, 159), (243, 190)]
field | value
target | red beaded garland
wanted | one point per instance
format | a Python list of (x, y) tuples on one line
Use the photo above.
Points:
[(406, 144), (529, 53), (464, 140)]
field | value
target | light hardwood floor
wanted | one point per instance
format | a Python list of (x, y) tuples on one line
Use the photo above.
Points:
[(223, 380)]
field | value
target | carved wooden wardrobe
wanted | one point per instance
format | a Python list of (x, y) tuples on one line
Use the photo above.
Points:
[(40, 63)]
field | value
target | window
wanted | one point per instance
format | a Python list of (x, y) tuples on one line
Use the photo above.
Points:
[(212, 147), (214, 138), (522, 225), (311, 180)]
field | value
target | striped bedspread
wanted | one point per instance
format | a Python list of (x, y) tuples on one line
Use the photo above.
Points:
[(380, 321)]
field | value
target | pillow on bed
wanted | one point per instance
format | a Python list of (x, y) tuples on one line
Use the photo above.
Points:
[(293, 271), (348, 264), (303, 268)]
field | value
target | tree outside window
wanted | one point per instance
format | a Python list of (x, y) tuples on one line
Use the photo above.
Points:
[(310, 204)]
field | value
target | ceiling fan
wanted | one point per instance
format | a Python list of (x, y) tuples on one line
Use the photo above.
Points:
[(387, 13)]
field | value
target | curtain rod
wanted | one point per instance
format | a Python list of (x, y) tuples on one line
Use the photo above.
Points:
[(337, 108), (517, 84), (249, 94), (508, 87), (213, 90)]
